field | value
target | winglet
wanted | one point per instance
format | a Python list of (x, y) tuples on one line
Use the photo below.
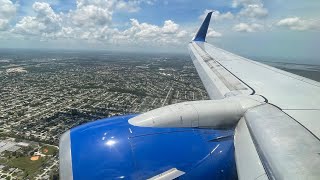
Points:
[(202, 32)]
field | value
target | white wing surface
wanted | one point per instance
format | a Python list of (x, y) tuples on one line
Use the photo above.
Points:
[(285, 131)]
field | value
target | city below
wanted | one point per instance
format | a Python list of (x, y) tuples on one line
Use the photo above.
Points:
[(45, 93)]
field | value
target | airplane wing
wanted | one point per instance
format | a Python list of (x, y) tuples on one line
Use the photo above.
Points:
[(278, 139), (261, 123)]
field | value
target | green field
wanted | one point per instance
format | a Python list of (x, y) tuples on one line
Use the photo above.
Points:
[(24, 163), (3, 160), (51, 150)]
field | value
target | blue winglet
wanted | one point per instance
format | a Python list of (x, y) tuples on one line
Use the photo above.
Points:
[(202, 32)]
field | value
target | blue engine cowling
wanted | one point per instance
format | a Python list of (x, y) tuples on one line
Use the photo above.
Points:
[(114, 149)]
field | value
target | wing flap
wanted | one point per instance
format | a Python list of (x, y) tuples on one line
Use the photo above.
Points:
[(286, 149), (309, 119), (248, 162)]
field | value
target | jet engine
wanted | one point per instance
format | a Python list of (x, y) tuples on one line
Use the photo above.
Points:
[(190, 140)]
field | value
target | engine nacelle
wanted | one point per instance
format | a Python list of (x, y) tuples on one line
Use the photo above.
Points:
[(208, 113)]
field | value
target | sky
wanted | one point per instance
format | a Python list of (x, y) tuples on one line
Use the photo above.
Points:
[(288, 29)]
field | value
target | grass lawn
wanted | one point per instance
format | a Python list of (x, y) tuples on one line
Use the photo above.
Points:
[(26, 164), (50, 150), (3, 160)]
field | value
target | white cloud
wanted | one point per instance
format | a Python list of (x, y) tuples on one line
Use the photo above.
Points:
[(143, 30), (98, 13), (170, 27), (4, 24), (130, 6), (7, 9), (182, 34), (212, 33), (254, 11), (144, 33), (91, 16), (45, 22), (92, 21), (244, 27), (7, 12), (88, 19), (237, 3), (100, 3), (216, 15), (29, 25), (250, 8), (111, 5), (66, 32), (295, 23)]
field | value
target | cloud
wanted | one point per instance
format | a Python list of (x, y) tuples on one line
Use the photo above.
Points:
[(295, 23), (3, 24), (28, 26), (149, 34), (254, 11), (45, 22), (91, 16), (143, 30), (250, 8), (111, 5), (216, 15), (131, 6), (100, 3), (127, 6), (7, 12), (182, 34), (212, 33), (244, 27), (138, 33), (170, 27), (237, 3), (90, 19)]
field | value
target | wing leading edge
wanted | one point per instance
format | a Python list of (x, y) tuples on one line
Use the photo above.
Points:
[(293, 108)]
